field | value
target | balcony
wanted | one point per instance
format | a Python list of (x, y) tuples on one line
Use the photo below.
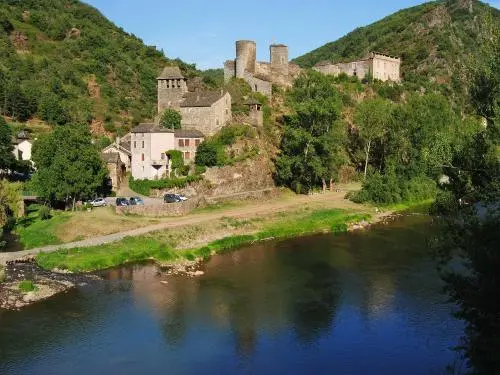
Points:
[(159, 162)]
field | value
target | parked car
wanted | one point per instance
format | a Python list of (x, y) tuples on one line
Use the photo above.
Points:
[(181, 197), (171, 198), (98, 202), (136, 201), (122, 202)]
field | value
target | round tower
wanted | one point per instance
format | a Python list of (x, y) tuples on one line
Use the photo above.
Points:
[(279, 58), (246, 57)]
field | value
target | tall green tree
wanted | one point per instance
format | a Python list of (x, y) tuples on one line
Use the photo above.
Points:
[(69, 167), (10, 201), (171, 119), (372, 120), (312, 143), (7, 159), (471, 203)]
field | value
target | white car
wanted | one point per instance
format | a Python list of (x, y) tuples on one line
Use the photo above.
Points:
[(98, 202), (182, 198)]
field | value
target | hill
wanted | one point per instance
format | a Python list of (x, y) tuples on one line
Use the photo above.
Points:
[(433, 39), (62, 60)]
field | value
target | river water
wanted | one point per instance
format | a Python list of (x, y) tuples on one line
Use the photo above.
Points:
[(359, 303)]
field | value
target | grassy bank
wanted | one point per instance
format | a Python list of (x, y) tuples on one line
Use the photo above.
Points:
[(173, 246)]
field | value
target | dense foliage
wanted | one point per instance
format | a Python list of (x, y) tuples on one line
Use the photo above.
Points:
[(7, 159), (214, 151), (10, 201), (171, 119), (62, 61), (144, 186), (69, 167), (433, 40), (469, 208), (311, 148)]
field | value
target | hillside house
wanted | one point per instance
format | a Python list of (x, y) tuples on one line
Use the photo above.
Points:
[(149, 146), (22, 146)]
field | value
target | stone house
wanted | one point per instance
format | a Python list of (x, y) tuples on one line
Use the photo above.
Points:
[(204, 110), (22, 146), (380, 66), (150, 143), (261, 75), (121, 146), (116, 168)]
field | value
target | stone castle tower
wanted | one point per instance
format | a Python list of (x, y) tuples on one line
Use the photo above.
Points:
[(259, 75)]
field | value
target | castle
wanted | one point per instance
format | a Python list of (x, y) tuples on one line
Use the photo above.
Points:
[(377, 65), (204, 110), (261, 75)]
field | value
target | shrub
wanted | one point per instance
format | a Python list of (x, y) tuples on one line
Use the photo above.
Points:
[(26, 286), (171, 119), (143, 187), (391, 188), (44, 213)]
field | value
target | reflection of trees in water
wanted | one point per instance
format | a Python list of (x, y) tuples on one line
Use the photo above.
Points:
[(315, 302)]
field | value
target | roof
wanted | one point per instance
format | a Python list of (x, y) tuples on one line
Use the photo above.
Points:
[(201, 98), (188, 133), (150, 128), (278, 45), (252, 101), (171, 72), (111, 157)]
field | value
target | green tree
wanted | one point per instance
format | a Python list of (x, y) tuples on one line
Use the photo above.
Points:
[(7, 159), (171, 119), (10, 201), (69, 166), (372, 119), (312, 141)]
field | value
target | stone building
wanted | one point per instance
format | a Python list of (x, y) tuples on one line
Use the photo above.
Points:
[(149, 146), (204, 110), (255, 113), (22, 146), (116, 168), (121, 146), (261, 75), (378, 65)]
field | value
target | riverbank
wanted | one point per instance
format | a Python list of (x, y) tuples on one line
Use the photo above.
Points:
[(193, 243)]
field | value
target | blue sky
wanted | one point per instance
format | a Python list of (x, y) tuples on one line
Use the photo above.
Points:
[(203, 32)]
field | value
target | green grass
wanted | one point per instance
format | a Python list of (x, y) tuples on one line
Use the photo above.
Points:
[(34, 232), (412, 206), (135, 249), (26, 286)]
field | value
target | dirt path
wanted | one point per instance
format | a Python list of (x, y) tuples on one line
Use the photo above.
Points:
[(328, 200)]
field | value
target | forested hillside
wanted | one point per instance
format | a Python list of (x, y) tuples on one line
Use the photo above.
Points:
[(433, 39), (62, 61)]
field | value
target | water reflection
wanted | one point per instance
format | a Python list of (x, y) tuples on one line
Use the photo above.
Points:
[(300, 306)]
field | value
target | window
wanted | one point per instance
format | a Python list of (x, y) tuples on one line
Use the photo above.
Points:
[(142, 144), (227, 112), (181, 142), (135, 144), (187, 155), (197, 142), (162, 156), (217, 122), (186, 142), (142, 157)]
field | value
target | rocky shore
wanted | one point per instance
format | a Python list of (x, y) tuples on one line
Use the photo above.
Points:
[(45, 283)]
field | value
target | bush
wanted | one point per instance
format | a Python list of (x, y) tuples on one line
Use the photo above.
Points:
[(44, 213), (391, 188), (210, 153), (171, 119), (26, 286), (144, 187)]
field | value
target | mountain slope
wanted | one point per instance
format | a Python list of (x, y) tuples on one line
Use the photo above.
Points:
[(62, 61), (433, 39)]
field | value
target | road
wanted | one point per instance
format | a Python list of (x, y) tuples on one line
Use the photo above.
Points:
[(328, 200)]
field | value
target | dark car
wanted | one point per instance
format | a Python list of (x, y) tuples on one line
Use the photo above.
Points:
[(135, 201), (171, 198), (122, 202)]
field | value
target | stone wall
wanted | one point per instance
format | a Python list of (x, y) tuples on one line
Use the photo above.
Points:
[(259, 85), (165, 209)]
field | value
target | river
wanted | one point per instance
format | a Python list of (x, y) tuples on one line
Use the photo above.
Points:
[(357, 303)]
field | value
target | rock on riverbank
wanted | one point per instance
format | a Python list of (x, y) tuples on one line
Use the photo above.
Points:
[(46, 283)]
